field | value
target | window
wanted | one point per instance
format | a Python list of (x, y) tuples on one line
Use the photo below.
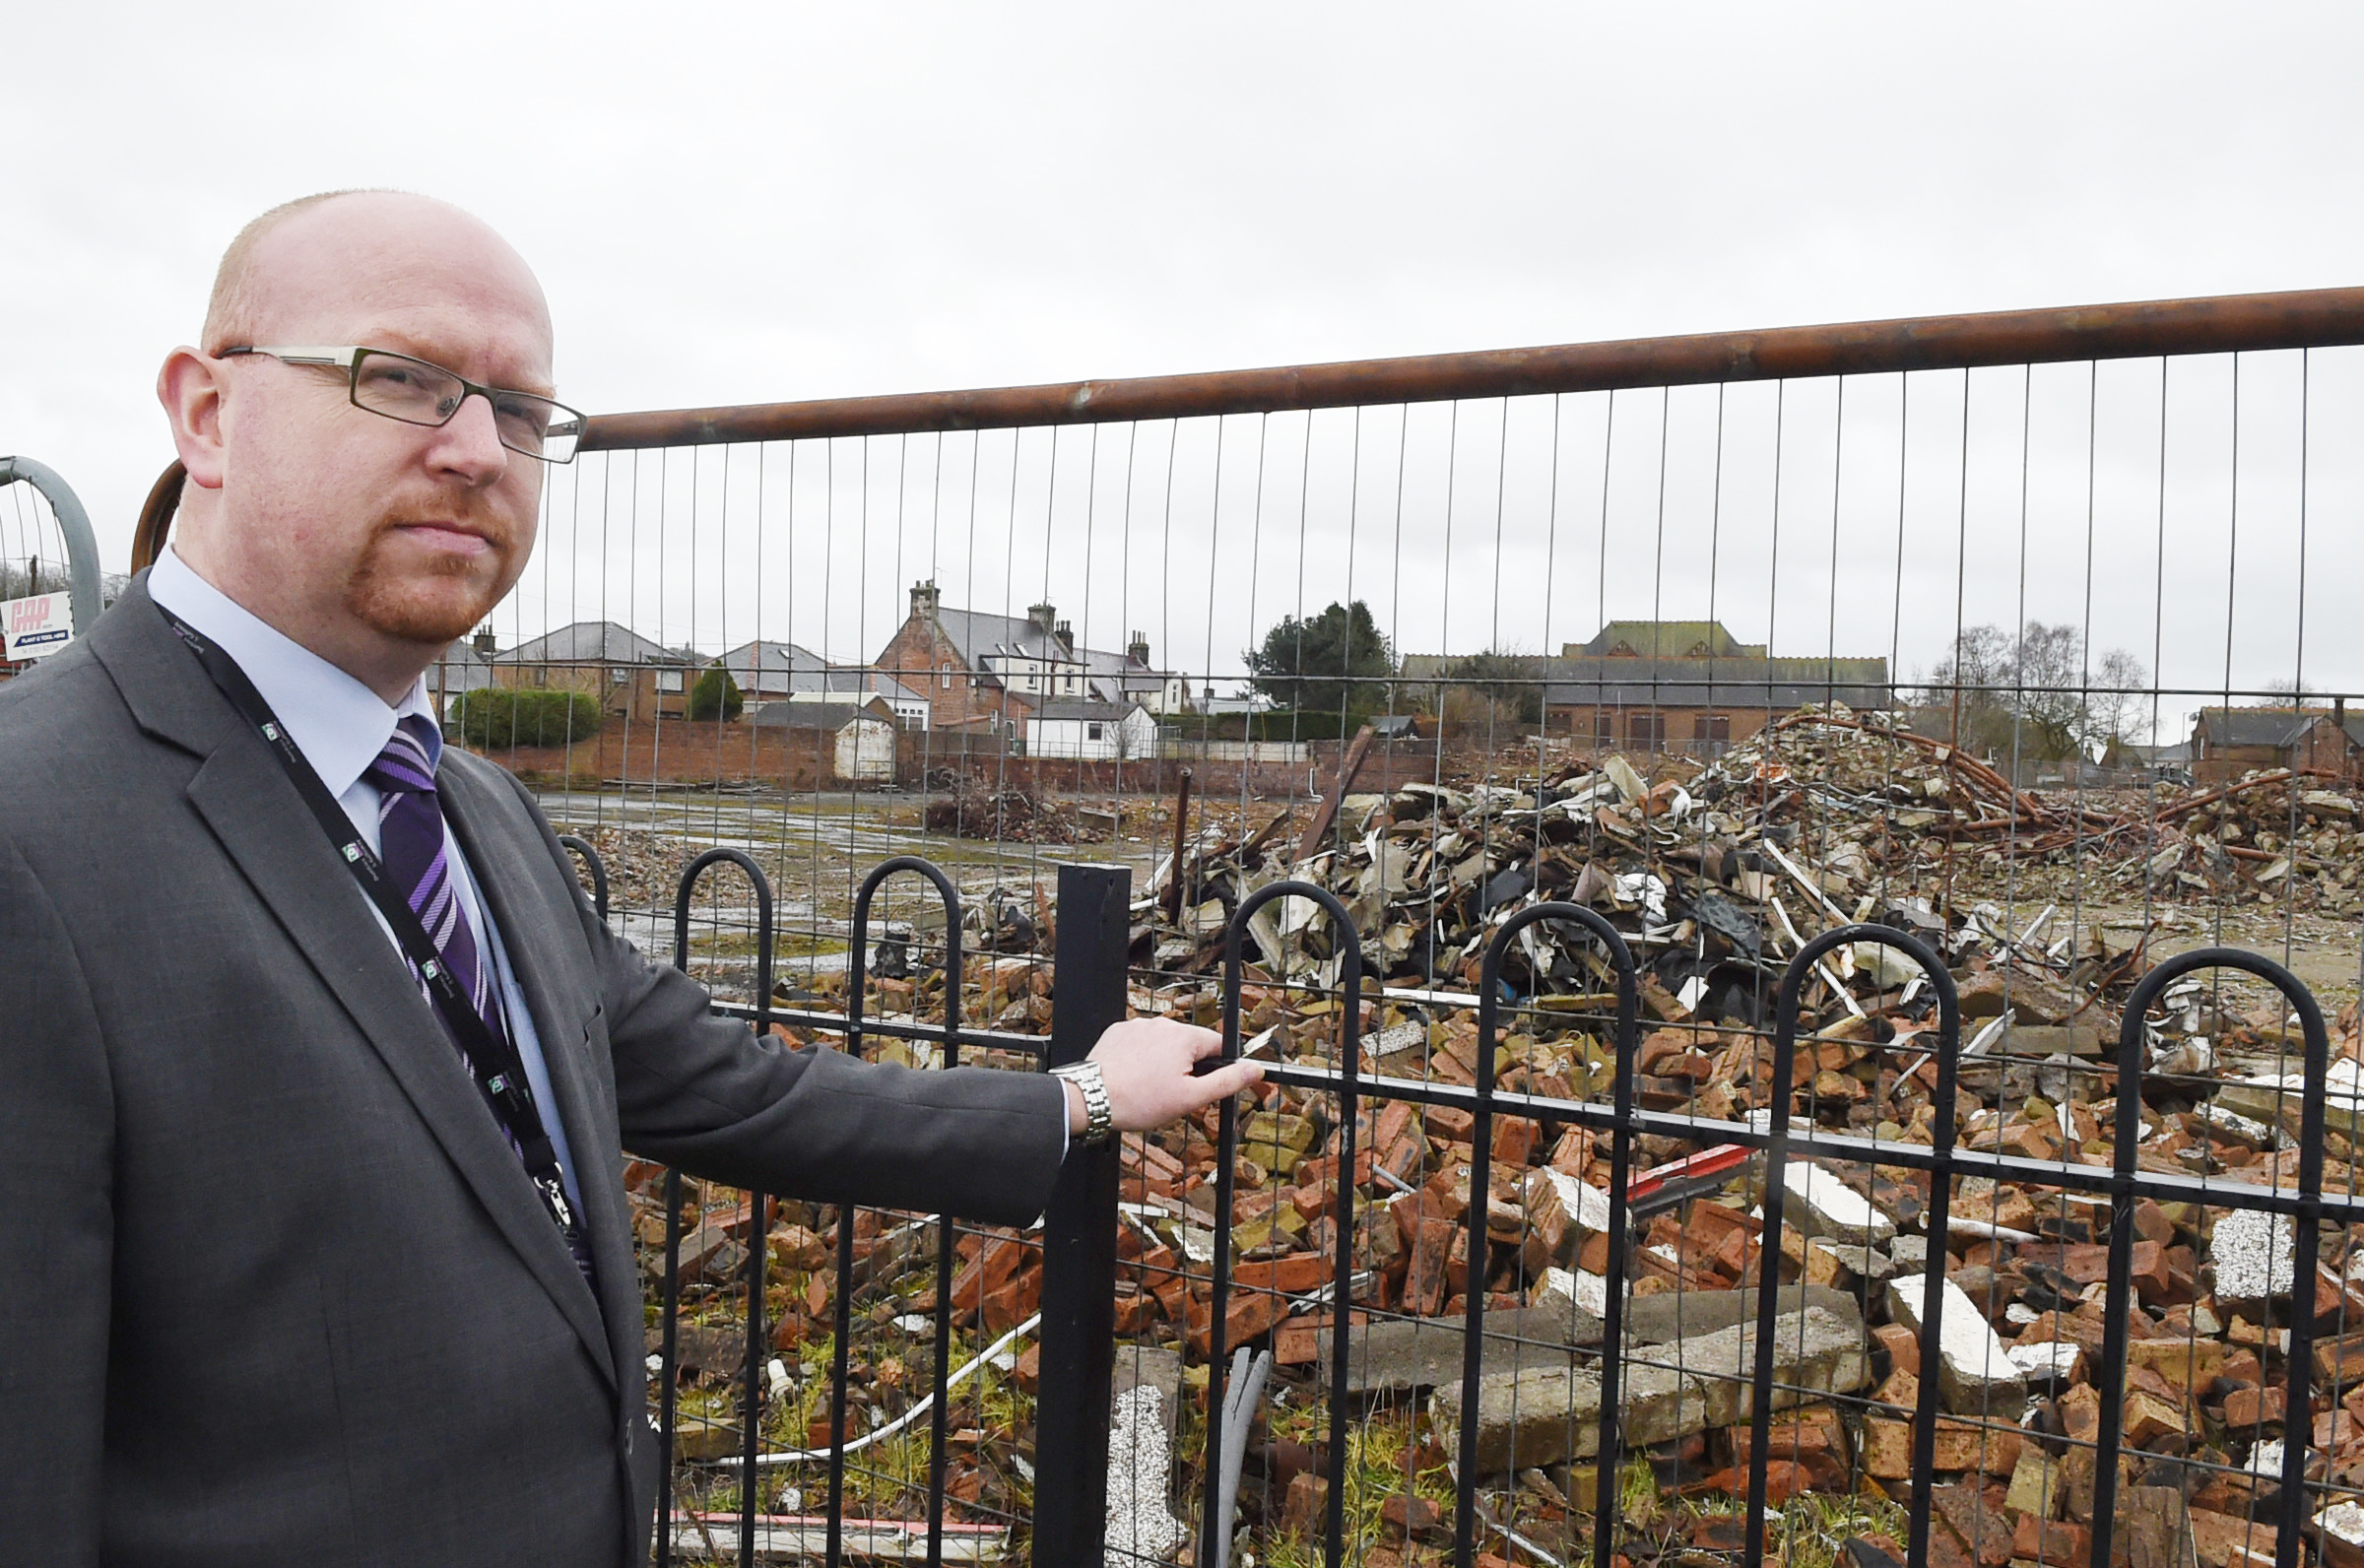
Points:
[(618, 677), (944, 680), (1091, 731), (669, 680), (1645, 728)]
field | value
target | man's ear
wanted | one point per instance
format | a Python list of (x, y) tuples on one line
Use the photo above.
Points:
[(190, 388)]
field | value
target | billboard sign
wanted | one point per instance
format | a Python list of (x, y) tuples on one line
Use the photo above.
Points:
[(36, 628)]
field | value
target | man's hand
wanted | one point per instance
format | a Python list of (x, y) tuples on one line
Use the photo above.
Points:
[(1147, 1064)]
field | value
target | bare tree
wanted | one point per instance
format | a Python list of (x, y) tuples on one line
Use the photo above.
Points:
[(2032, 693)]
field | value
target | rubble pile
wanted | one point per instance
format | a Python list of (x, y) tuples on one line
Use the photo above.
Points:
[(2271, 838), (1714, 871), (1715, 875), (644, 868), (973, 809)]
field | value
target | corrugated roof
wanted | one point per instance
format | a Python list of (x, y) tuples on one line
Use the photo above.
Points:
[(1624, 682), (1670, 639)]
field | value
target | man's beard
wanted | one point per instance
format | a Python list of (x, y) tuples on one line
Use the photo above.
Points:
[(436, 605)]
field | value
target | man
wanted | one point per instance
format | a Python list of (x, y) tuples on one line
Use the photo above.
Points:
[(292, 1270)]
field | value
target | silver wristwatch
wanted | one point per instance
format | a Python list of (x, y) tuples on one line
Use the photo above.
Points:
[(1100, 1119)]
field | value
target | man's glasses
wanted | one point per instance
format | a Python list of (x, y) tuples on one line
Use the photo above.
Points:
[(418, 393)]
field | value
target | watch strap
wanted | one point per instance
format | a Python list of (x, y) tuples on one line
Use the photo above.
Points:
[(1099, 1117)]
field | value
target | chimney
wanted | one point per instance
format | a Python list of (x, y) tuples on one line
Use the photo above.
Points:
[(1138, 650), (482, 641), (924, 599), (1065, 633), (1043, 617)]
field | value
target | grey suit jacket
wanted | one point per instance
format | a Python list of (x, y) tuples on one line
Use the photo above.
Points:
[(273, 1288)]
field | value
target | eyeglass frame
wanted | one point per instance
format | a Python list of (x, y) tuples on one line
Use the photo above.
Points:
[(347, 357)]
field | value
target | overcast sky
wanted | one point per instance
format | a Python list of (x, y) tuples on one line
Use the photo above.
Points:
[(751, 202)]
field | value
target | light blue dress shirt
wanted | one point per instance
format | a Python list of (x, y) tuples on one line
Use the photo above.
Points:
[(341, 725)]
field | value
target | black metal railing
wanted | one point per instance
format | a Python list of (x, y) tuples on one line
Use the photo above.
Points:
[(1077, 1336), (1071, 1407)]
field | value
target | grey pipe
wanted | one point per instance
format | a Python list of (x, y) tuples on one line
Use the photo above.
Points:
[(82, 547), (1239, 1414)]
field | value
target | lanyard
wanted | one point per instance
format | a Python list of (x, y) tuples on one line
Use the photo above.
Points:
[(492, 1058)]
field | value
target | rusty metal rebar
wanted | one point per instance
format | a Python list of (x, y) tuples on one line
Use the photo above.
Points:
[(1174, 880)]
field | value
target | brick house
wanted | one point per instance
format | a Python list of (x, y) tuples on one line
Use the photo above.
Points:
[(2228, 742), (626, 674), (988, 673), (1691, 686)]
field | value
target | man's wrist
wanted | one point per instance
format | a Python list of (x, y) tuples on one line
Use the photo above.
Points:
[(1086, 1084)]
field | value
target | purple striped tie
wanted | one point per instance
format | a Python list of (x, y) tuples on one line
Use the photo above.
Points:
[(410, 826), (412, 848)]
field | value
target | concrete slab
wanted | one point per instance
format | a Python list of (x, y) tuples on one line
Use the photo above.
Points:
[(1143, 1408), (1820, 1204), (1658, 1320), (1976, 1376), (2255, 1258), (1545, 1416), (1407, 1354)]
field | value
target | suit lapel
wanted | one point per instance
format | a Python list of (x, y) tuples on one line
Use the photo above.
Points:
[(262, 825), (529, 904)]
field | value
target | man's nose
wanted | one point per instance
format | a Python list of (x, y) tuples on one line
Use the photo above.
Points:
[(468, 443)]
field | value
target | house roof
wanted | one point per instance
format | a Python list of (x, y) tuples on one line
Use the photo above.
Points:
[(1115, 677), (1625, 682), (1665, 639), (2276, 727), (1077, 709), (771, 666), (774, 668), (593, 642), (872, 682), (817, 715), (979, 635), (459, 667)]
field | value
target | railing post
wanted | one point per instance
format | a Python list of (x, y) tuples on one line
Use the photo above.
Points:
[(1078, 1237), (83, 577)]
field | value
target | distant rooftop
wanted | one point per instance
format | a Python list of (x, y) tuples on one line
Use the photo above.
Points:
[(594, 642), (1665, 639), (1098, 712)]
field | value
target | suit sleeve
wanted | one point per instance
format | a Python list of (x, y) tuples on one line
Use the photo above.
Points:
[(706, 1094), (57, 1234)]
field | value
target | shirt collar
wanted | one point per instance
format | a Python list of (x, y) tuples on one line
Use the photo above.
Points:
[(340, 724)]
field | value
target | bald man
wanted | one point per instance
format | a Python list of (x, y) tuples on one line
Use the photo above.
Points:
[(315, 1066)]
